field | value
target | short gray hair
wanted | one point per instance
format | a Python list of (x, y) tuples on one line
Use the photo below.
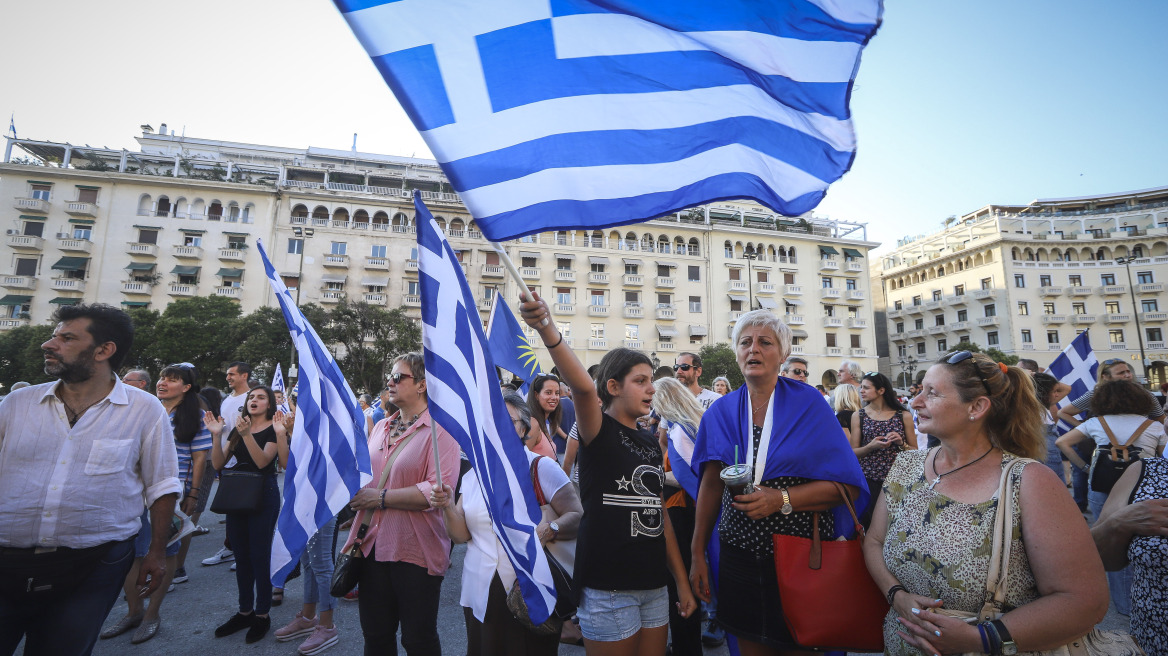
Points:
[(516, 400), (791, 361), (852, 368), (765, 319), (140, 372)]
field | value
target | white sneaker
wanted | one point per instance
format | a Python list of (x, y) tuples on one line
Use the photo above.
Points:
[(233, 567), (222, 556)]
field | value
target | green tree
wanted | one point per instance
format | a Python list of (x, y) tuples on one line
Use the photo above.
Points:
[(263, 340), (994, 354), (719, 360), (145, 334), (202, 331), (21, 357), (369, 337)]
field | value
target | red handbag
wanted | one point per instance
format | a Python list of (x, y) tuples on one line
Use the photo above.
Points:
[(829, 599)]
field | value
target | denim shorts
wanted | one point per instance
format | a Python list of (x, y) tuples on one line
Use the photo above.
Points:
[(612, 615), (142, 541)]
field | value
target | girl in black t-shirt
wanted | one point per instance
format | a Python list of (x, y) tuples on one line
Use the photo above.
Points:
[(625, 549)]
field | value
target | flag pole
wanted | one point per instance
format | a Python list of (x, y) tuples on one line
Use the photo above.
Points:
[(515, 274), (434, 443)]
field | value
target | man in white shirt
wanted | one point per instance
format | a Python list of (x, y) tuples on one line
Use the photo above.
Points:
[(688, 369), (238, 379), (77, 458), (850, 373)]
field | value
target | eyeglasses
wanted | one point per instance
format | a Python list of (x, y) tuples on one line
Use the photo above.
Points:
[(799, 372), (962, 356), (396, 378), (682, 367)]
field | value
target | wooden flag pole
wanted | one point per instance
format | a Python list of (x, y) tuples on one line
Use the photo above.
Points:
[(510, 266)]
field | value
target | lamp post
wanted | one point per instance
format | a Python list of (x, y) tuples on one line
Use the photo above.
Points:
[(749, 257), (655, 360), (1126, 261), (908, 365), (304, 234)]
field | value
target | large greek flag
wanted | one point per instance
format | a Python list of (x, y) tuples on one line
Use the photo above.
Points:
[(465, 399), (1076, 366), (561, 114), (328, 458)]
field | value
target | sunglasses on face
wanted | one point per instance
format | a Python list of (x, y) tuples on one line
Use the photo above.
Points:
[(799, 372), (397, 378), (962, 356), (682, 367)]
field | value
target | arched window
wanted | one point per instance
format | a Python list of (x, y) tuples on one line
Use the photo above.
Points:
[(341, 217), (181, 206), (233, 211), (215, 211), (248, 213), (695, 247), (381, 221), (457, 228), (299, 215), (791, 255), (145, 206), (198, 209), (361, 218), (163, 207), (320, 215)]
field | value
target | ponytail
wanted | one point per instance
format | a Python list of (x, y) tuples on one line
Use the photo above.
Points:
[(1014, 422)]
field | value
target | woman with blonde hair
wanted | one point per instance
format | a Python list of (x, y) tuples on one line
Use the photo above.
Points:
[(680, 414), (845, 400)]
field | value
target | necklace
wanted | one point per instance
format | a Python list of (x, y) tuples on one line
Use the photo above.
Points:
[(398, 427), (940, 476), (74, 415)]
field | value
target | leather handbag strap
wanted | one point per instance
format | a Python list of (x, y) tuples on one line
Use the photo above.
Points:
[(815, 559), (999, 564), (380, 484), (539, 496)]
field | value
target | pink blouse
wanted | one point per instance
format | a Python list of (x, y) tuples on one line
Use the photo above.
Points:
[(409, 536)]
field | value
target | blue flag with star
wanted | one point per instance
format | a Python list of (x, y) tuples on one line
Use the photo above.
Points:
[(509, 346)]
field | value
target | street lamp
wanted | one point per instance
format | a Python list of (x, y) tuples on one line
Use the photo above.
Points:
[(1126, 261), (908, 365), (749, 257), (655, 360), (303, 234)]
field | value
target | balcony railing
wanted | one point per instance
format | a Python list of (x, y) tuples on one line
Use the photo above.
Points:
[(1156, 346), (1079, 290), (565, 308), (412, 300), (1050, 291), (959, 325), (794, 319), (984, 294), (833, 322), (956, 299), (68, 284), (835, 350), (666, 313), (1149, 288), (374, 298), (1112, 290), (1116, 317), (987, 321), (633, 280), (598, 310), (530, 273), (485, 304), (187, 252), (1118, 346), (18, 282), (631, 312), (78, 208), (666, 346), (1028, 346), (32, 205), (857, 352), (666, 282), (9, 324), (25, 242), (736, 285), (146, 250), (1082, 319), (792, 290), (492, 271), (1053, 318), (598, 277), (797, 349), (134, 287), (826, 264), (565, 275), (229, 292), (377, 263), (915, 308), (1153, 317), (331, 296), (76, 245), (764, 288), (854, 267), (598, 344), (854, 294), (231, 254), (634, 344), (411, 264), (336, 260), (734, 315), (180, 289), (831, 293), (1054, 346)]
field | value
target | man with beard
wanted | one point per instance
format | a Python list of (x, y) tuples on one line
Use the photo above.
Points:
[(688, 370), (77, 458)]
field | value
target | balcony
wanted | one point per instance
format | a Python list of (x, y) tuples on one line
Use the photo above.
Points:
[(32, 205), (492, 271), (1113, 290), (180, 289), (598, 310), (1048, 319), (598, 344), (764, 288), (827, 264), (377, 263), (485, 304), (135, 287), (833, 322), (1156, 346), (1080, 291), (9, 324), (187, 252), (734, 315), (792, 290), (1150, 288), (1118, 346), (933, 305), (797, 349), (666, 282), (857, 322), (984, 294), (893, 313), (985, 322), (858, 352), (857, 295), (830, 293), (794, 319), (898, 337), (374, 298), (1082, 319), (634, 312), (737, 285), (412, 300), (231, 254), (956, 299), (332, 296), (960, 325), (18, 282), (336, 261), (853, 267), (1054, 346), (666, 313), (68, 284), (597, 277), (78, 208), (1154, 317), (635, 344), (565, 275), (666, 346), (529, 273), (835, 350), (633, 280), (1116, 317), (915, 308), (565, 308), (1050, 291), (229, 292), (937, 330), (915, 334), (145, 250), (1028, 346), (76, 245), (25, 242)]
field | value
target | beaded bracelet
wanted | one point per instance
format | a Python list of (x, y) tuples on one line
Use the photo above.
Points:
[(891, 594), (381, 503)]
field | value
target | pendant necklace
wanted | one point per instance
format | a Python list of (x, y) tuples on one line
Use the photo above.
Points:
[(940, 476), (399, 427)]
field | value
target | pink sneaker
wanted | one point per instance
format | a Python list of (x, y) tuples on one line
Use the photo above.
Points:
[(320, 640), (299, 626)]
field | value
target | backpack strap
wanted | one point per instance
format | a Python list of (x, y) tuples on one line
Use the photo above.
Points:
[(1120, 452)]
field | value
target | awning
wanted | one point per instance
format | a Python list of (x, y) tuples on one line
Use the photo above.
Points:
[(737, 297), (768, 303), (135, 303), (71, 263), (13, 299), (289, 274), (793, 301), (629, 260), (145, 227), (82, 221), (565, 256), (375, 281), (61, 300), (140, 266), (333, 277), (695, 331), (528, 253), (795, 332), (238, 234), (667, 264), (186, 270), (597, 260), (193, 232), (229, 273), (827, 250), (851, 252), (666, 331), (29, 217)]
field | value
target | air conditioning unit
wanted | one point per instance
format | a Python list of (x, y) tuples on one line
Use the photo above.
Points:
[(13, 232), (64, 235)]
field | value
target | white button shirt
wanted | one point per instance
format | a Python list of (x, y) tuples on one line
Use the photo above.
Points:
[(82, 486)]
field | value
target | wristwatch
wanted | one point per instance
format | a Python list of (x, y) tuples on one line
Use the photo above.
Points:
[(1008, 646), (787, 508), (555, 527)]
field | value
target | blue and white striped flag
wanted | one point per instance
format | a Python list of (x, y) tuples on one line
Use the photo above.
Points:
[(328, 458), (278, 386), (1076, 366), (563, 114), (465, 399)]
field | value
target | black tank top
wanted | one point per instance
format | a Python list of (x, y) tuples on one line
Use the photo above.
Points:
[(621, 544), (243, 456)]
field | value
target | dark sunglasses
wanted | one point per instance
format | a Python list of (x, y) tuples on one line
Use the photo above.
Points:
[(962, 356), (396, 378), (799, 372), (682, 367)]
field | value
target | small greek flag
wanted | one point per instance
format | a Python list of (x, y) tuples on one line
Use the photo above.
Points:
[(278, 386), (1076, 366)]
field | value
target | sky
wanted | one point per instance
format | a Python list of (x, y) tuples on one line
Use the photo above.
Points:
[(956, 105)]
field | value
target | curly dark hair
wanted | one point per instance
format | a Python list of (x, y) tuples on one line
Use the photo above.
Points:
[(106, 324), (1121, 397)]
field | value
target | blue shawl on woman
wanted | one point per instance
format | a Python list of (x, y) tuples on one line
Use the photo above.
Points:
[(805, 441)]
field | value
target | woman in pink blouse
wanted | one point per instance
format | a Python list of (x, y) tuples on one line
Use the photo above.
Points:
[(406, 546)]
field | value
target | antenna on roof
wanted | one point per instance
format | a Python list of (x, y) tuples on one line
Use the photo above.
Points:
[(354, 142)]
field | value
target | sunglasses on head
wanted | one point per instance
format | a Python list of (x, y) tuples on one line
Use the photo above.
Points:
[(1113, 361), (962, 356), (682, 367), (183, 365), (396, 378)]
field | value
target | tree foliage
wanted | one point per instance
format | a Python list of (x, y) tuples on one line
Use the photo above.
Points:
[(21, 357), (719, 360), (369, 338), (995, 354)]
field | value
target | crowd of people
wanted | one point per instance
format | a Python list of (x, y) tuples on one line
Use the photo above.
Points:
[(659, 497)]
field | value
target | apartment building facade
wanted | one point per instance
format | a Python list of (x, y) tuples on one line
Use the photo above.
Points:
[(1028, 279), (181, 218)]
